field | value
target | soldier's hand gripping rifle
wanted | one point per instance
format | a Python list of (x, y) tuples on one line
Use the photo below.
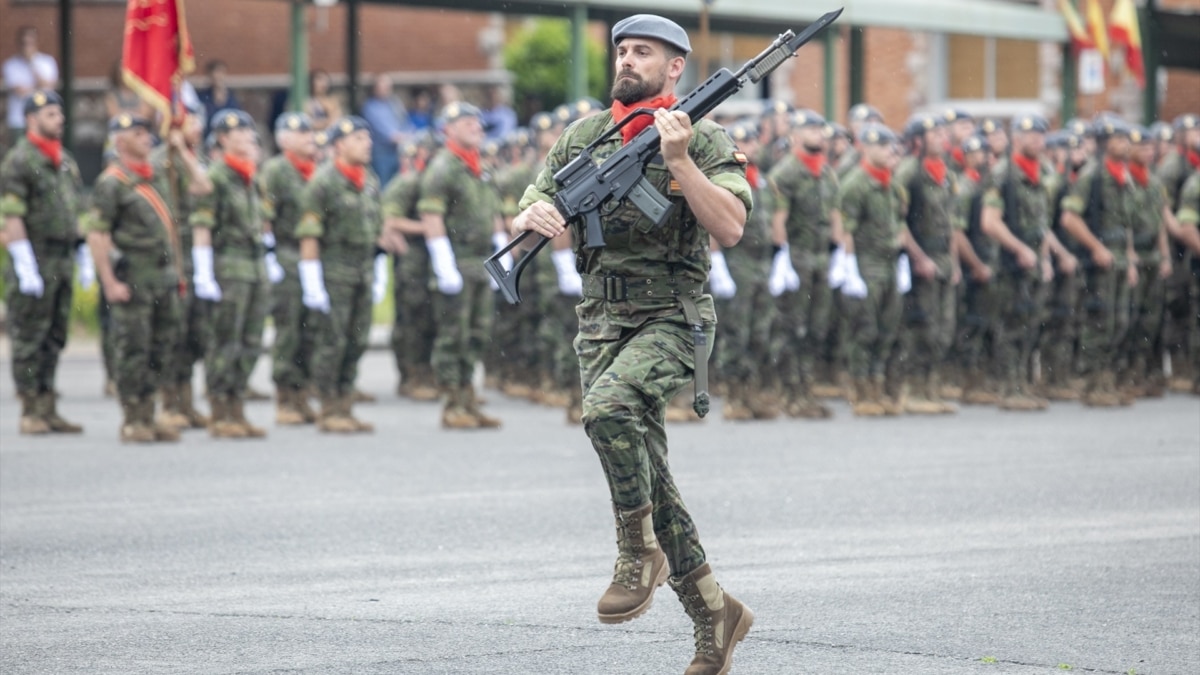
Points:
[(584, 187)]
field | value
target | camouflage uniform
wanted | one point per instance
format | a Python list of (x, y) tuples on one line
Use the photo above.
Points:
[(1179, 336), (635, 346), (977, 333), (1145, 208), (414, 328), (47, 199), (1189, 216), (523, 366), (1060, 335), (806, 315), (145, 329)]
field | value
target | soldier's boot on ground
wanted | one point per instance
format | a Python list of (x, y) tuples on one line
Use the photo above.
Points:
[(764, 402), (679, 409), (1181, 374), (719, 620), (57, 424), (575, 407), (135, 429), (866, 402), (172, 415), (1102, 390), (804, 405), (335, 417), (287, 412), (472, 402), (934, 389), (237, 412), (918, 401), (1017, 399), (640, 569), (187, 407), (360, 426), (360, 396), (301, 402), (893, 393), (949, 384), (736, 408), (425, 386), (454, 413), (252, 394), (32, 422), (163, 433), (221, 423), (516, 389)]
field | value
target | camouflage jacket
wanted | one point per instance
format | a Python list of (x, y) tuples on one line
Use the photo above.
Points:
[(751, 257), (1103, 204), (346, 222), (511, 182), (135, 213), (281, 186), (469, 206), (874, 216), (635, 248), (1188, 212), (933, 213), (1145, 206), (1032, 205), (233, 215), (181, 201), (808, 200), (970, 205), (1173, 171), (49, 200)]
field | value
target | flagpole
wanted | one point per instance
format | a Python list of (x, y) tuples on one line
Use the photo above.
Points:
[(68, 71)]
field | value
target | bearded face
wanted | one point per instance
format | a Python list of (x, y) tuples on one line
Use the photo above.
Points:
[(629, 87)]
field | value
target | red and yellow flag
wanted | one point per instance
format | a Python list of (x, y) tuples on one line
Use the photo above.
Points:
[(1095, 23), (157, 52), (1080, 38), (1125, 32)]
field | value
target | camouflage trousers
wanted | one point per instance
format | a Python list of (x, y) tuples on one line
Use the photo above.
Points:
[(1106, 298), (193, 339), (556, 332), (805, 318), (873, 328), (464, 326), (295, 329), (1020, 297), (1181, 336), (341, 337), (1060, 335), (236, 336), (107, 353), (1147, 303), (413, 329), (38, 326), (928, 325), (627, 384), (978, 327), (145, 332)]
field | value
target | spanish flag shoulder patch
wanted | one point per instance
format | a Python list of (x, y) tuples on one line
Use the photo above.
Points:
[(740, 158)]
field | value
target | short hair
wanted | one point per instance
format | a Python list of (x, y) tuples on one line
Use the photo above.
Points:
[(25, 30), (674, 52)]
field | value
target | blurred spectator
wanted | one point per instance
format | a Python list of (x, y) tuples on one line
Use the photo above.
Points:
[(499, 119), (218, 95), (421, 115), (390, 126), (24, 73), (120, 98), (322, 106), (447, 94)]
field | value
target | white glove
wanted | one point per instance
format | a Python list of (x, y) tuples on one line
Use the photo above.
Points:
[(903, 274), (569, 281), (275, 273), (719, 279), (380, 284), (781, 269), (312, 284), (445, 267), (854, 285), (837, 267), (202, 277), (29, 280), (792, 280), (87, 267), (500, 240)]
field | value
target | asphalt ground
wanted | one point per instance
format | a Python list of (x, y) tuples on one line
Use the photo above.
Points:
[(987, 542)]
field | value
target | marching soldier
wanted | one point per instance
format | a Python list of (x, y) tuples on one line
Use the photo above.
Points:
[(859, 116), (281, 182), (341, 223), (227, 258), (1189, 219), (40, 202), (977, 336), (1179, 330)]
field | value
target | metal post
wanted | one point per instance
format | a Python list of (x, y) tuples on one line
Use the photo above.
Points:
[(67, 69), (299, 92), (830, 84), (705, 51), (857, 64), (1070, 87), (1151, 57), (352, 54), (579, 61)]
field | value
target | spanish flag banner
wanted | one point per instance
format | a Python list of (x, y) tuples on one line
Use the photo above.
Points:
[(157, 52), (1080, 38), (1125, 33), (1095, 22)]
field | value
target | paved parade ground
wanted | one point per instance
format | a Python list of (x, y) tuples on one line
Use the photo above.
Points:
[(988, 542)]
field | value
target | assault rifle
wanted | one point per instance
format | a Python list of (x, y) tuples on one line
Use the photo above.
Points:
[(585, 187)]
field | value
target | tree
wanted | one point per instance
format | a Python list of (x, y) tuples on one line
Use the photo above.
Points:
[(539, 57)]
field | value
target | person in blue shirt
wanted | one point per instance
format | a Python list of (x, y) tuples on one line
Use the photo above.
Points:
[(390, 126)]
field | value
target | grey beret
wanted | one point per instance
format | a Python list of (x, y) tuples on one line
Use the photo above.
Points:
[(293, 121), (654, 27)]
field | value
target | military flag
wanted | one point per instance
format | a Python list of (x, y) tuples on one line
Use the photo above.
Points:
[(1081, 39), (1095, 23), (157, 52), (1125, 32)]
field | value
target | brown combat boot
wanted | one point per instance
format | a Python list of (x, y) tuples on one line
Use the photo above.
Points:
[(640, 569), (360, 396), (162, 432), (471, 401), (764, 401), (804, 405), (237, 411), (575, 407), (335, 419), (719, 620), (187, 407), (1018, 400), (1102, 390), (866, 399), (892, 394), (135, 428), (923, 400), (58, 425), (172, 415), (300, 400), (360, 426), (252, 394), (422, 386), (287, 413), (455, 414), (32, 422), (976, 390), (222, 424), (736, 408)]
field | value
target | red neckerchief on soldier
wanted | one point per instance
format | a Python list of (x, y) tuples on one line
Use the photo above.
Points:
[(1029, 166), (469, 157), (357, 175), (242, 167), (752, 176), (959, 157), (1116, 169), (973, 174), (936, 168), (881, 176), (815, 161), (1193, 158), (620, 111), (304, 167), (50, 147), (1140, 173), (143, 169)]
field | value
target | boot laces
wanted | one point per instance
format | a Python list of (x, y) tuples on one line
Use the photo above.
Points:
[(702, 629), (627, 569)]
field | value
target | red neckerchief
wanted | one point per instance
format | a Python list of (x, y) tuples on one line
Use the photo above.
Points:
[(973, 174), (1193, 158), (50, 147), (1030, 166), (620, 111), (304, 166), (242, 167), (1140, 173), (752, 176), (143, 169), (469, 157), (959, 157), (1116, 169), (881, 176), (936, 168), (814, 161), (357, 175)]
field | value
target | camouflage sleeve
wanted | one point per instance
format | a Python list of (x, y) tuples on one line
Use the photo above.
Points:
[(392, 199), (376, 195), (204, 214), (715, 154), (436, 190), (14, 188), (779, 187), (312, 205), (850, 202), (903, 178), (1168, 173), (543, 187), (958, 211), (902, 201), (268, 187), (1077, 196), (1189, 201), (103, 212)]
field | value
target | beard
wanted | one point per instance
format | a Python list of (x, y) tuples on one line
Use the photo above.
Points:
[(629, 88)]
